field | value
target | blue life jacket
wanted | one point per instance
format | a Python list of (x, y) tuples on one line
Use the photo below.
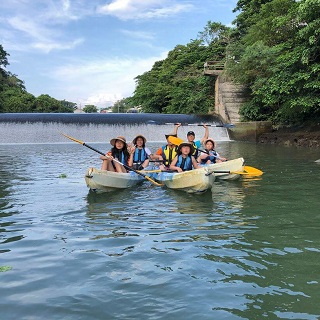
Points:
[(212, 156), (184, 163), (139, 155)]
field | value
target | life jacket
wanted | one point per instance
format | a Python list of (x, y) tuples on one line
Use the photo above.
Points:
[(139, 155), (195, 152), (212, 156), (120, 156), (168, 154), (184, 163)]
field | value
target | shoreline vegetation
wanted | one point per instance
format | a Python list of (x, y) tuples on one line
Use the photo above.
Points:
[(307, 135)]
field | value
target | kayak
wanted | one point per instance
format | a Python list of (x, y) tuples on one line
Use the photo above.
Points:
[(102, 180), (192, 181), (234, 166)]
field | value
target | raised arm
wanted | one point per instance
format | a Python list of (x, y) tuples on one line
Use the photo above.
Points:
[(206, 134), (176, 126)]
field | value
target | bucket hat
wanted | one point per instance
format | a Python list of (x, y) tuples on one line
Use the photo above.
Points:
[(120, 138), (187, 144), (134, 141)]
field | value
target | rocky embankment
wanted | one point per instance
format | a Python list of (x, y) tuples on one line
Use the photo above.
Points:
[(307, 136)]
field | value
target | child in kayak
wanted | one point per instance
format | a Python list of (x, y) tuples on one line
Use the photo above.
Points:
[(184, 159), (210, 156), (140, 152), (119, 152)]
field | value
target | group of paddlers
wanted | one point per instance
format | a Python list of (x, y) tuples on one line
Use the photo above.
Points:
[(176, 155)]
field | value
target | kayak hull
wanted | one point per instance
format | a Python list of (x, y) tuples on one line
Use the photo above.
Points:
[(230, 165), (105, 181), (193, 181)]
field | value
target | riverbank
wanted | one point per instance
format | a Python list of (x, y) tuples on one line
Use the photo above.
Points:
[(304, 136)]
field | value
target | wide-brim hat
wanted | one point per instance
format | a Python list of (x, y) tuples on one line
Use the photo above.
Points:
[(120, 138), (210, 139), (186, 144), (170, 135), (134, 141)]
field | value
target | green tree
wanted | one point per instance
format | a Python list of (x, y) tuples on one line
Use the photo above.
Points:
[(121, 106), (16, 100), (278, 58), (176, 84), (45, 103), (69, 106), (90, 108)]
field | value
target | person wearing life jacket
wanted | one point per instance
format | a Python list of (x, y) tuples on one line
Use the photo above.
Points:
[(166, 153), (140, 152), (119, 152), (184, 159), (210, 156), (191, 138)]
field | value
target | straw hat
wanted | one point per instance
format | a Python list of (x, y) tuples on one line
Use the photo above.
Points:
[(187, 144), (120, 138), (134, 141)]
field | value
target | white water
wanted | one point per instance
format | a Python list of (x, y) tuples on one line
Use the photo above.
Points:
[(39, 132)]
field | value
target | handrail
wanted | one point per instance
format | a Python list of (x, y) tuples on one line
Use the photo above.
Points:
[(214, 65)]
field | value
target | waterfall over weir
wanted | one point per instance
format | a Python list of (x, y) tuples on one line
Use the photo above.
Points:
[(96, 127)]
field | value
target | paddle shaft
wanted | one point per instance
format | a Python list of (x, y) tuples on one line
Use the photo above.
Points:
[(225, 125)]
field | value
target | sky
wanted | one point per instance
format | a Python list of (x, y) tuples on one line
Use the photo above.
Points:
[(90, 51)]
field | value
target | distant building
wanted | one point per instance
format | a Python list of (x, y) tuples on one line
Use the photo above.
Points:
[(78, 111)]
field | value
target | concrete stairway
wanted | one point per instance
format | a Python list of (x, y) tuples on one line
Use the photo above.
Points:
[(229, 97)]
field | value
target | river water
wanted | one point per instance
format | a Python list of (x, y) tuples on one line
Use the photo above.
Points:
[(247, 250)]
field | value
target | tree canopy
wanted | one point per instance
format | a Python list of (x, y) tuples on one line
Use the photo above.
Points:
[(15, 98)]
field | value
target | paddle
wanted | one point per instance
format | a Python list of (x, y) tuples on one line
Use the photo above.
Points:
[(115, 160), (225, 125), (247, 169)]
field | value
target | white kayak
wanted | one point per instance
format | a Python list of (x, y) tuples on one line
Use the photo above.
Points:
[(102, 180), (227, 170), (193, 181)]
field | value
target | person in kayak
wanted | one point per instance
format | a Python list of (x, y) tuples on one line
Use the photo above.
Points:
[(119, 152), (184, 159), (191, 138), (211, 155), (140, 152), (166, 153)]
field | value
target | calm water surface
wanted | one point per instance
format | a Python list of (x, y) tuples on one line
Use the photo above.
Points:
[(248, 250)]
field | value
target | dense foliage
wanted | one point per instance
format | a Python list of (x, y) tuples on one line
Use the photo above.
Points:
[(276, 52), (274, 49), (177, 84), (15, 98)]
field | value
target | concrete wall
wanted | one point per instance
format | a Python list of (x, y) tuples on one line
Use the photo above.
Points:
[(229, 97), (249, 131)]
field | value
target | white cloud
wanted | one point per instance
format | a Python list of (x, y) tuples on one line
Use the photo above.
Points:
[(142, 9), (138, 34), (100, 82)]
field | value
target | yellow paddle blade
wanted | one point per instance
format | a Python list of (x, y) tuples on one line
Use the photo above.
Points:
[(175, 140), (253, 171), (73, 139)]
